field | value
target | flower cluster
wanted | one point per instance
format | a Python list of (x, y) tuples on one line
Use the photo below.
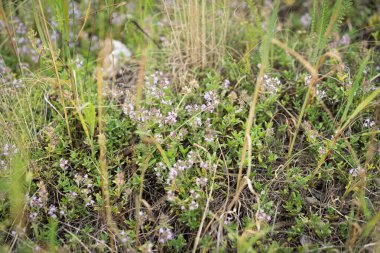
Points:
[(305, 20), (123, 236), (210, 135), (320, 93), (39, 200), (368, 123), (226, 83), (170, 195), (321, 151), (52, 211), (156, 84), (86, 184), (118, 19), (6, 76), (262, 216), (194, 196), (165, 234), (143, 216), (160, 167), (3, 165), (63, 163), (357, 171), (310, 132), (211, 102), (271, 84), (201, 181), (9, 149), (307, 80), (179, 165), (171, 119), (228, 219), (24, 45)]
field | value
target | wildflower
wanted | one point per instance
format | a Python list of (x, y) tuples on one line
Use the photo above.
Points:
[(307, 80), (173, 134), (171, 119), (194, 194), (180, 165), (172, 174), (191, 159), (78, 178), (183, 133), (228, 219), (198, 120), (201, 181), (271, 84), (147, 247), (189, 108), (42, 192), (72, 195), (144, 116), (345, 40), (306, 20), (209, 96), (159, 167), (90, 202), (78, 61), (208, 123), (226, 83), (124, 236), (211, 101), (117, 19), (33, 216), (321, 93), (129, 110), (165, 234), (9, 149), (171, 195), (87, 181), (193, 205), (100, 243), (143, 216), (357, 171), (3, 165), (35, 202), (203, 165), (263, 216), (63, 163), (158, 138), (210, 136), (321, 151), (368, 123), (52, 211)]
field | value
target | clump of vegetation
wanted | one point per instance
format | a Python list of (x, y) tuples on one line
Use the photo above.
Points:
[(186, 126)]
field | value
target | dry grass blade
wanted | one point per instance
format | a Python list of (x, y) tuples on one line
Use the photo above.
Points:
[(104, 184)]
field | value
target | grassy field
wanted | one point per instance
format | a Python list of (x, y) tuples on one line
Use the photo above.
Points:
[(189, 126)]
